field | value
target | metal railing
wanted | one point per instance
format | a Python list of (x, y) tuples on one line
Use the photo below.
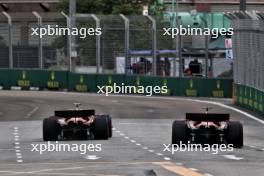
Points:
[(124, 42)]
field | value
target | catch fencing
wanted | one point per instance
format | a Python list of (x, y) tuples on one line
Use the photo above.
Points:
[(125, 41), (248, 48)]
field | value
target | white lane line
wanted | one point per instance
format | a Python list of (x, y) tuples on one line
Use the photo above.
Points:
[(19, 157), (167, 158), (193, 169), (126, 137), (159, 154), (145, 148), (252, 146), (179, 164), (114, 129), (233, 157), (133, 141), (122, 134), (138, 144), (151, 151), (31, 112), (118, 131), (207, 174)]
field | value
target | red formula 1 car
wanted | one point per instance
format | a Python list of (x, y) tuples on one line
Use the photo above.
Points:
[(77, 124), (207, 128)]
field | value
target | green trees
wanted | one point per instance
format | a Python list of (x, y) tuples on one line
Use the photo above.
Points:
[(127, 7)]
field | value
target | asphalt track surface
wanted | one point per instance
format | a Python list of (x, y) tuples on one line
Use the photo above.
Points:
[(141, 126)]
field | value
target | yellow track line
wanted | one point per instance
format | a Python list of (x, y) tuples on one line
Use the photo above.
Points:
[(177, 169)]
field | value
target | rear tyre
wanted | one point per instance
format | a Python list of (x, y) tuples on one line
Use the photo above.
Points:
[(51, 129), (235, 134), (110, 126), (100, 126), (180, 132)]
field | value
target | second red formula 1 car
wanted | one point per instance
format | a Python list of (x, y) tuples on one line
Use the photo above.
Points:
[(208, 128)]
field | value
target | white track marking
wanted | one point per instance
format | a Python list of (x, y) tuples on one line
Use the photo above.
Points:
[(233, 157), (207, 174), (193, 169), (159, 154), (167, 158), (179, 164), (92, 157), (17, 145), (31, 112)]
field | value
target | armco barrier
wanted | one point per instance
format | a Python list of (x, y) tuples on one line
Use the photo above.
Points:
[(249, 98), (44, 79)]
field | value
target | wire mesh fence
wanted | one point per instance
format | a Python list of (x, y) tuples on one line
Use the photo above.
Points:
[(127, 44), (248, 46)]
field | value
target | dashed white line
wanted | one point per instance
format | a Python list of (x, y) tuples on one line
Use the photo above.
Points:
[(193, 169), (19, 157), (126, 137), (138, 144), (207, 174), (233, 157), (133, 141), (145, 148), (31, 112), (159, 154), (179, 164), (122, 134), (151, 151), (167, 158)]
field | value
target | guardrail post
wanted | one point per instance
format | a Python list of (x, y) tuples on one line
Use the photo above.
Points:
[(40, 44), (154, 44), (10, 44), (69, 41), (98, 45), (127, 33)]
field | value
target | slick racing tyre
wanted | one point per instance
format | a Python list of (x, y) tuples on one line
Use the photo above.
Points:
[(101, 130), (51, 129), (110, 132), (179, 132), (235, 134)]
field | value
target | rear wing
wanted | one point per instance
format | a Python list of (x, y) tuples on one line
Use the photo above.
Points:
[(207, 117), (74, 113)]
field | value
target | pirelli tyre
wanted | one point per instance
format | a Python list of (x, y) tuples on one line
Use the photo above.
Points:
[(180, 132), (51, 129), (100, 128), (235, 134)]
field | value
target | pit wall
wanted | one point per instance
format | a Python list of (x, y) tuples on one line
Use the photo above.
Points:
[(249, 98), (64, 80)]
